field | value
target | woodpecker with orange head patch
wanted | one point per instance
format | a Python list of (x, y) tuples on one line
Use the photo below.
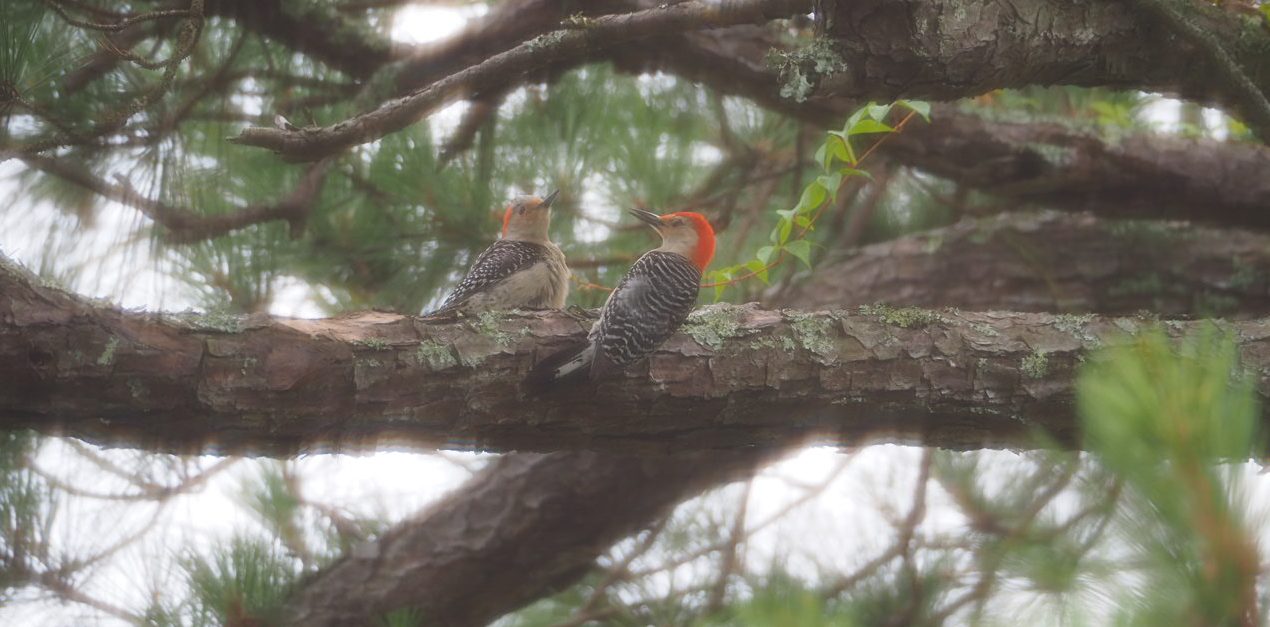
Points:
[(648, 305), (522, 270)]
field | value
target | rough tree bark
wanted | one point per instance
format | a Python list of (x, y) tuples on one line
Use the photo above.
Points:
[(1053, 262), (917, 48), (496, 544), (944, 49), (737, 377)]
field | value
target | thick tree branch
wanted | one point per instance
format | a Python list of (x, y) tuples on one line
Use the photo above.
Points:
[(955, 48), (750, 378), (315, 29), (1053, 262), (1047, 163), (1140, 175), (186, 225), (525, 527)]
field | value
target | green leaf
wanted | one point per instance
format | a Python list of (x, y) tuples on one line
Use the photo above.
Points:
[(813, 195), (853, 120), (765, 254), (864, 127), (854, 172), (782, 231), (878, 112), (800, 248), (824, 155), (920, 107), (838, 148), (759, 269), (804, 222), (831, 182)]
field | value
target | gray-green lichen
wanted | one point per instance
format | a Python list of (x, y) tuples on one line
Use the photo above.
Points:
[(487, 324), (903, 317), (783, 342), (983, 329), (712, 326), (801, 69), (213, 321), (812, 332), (1077, 325), (1035, 365), (376, 343), (577, 20), (108, 355), (545, 40), (438, 356)]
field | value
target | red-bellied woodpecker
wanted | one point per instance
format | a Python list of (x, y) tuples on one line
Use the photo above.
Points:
[(523, 270), (647, 306)]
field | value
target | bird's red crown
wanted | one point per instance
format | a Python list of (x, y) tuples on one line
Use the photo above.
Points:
[(705, 237)]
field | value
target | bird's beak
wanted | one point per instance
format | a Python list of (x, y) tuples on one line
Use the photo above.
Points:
[(546, 202), (648, 217)]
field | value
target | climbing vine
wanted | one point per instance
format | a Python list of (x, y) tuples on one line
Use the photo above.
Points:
[(838, 161)]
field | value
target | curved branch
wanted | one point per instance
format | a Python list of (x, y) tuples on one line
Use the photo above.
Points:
[(501, 69)]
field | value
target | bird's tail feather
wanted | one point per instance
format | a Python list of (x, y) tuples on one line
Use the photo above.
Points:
[(567, 365)]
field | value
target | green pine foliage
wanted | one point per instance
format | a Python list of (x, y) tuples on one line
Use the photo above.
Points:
[(1170, 420)]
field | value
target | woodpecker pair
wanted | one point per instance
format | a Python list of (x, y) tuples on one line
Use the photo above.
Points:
[(526, 270)]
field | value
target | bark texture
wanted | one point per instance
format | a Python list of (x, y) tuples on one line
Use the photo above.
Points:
[(939, 49), (947, 49), (1064, 167), (735, 377), (525, 527), (1053, 262)]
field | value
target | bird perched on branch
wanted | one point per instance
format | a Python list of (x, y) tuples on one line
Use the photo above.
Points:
[(522, 270), (647, 307)]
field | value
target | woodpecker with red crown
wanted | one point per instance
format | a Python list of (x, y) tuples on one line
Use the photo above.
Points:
[(648, 305), (523, 270)]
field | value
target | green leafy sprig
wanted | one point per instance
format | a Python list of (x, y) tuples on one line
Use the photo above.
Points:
[(838, 160)]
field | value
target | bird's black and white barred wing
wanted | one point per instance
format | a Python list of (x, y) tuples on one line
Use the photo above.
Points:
[(500, 261), (648, 306)]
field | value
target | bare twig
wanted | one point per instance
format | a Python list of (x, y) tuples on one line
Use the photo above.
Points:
[(186, 225), (600, 32), (121, 23)]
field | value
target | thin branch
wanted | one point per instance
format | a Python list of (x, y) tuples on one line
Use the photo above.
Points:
[(731, 554), (590, 609), (806, 497), (597, 33), (186, 225), (122, 23)]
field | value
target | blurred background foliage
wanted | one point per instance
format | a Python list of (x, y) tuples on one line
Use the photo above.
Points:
[(1154, 525)]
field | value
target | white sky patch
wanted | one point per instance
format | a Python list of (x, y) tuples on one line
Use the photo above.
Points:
[(294, 298), (420, 24)]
